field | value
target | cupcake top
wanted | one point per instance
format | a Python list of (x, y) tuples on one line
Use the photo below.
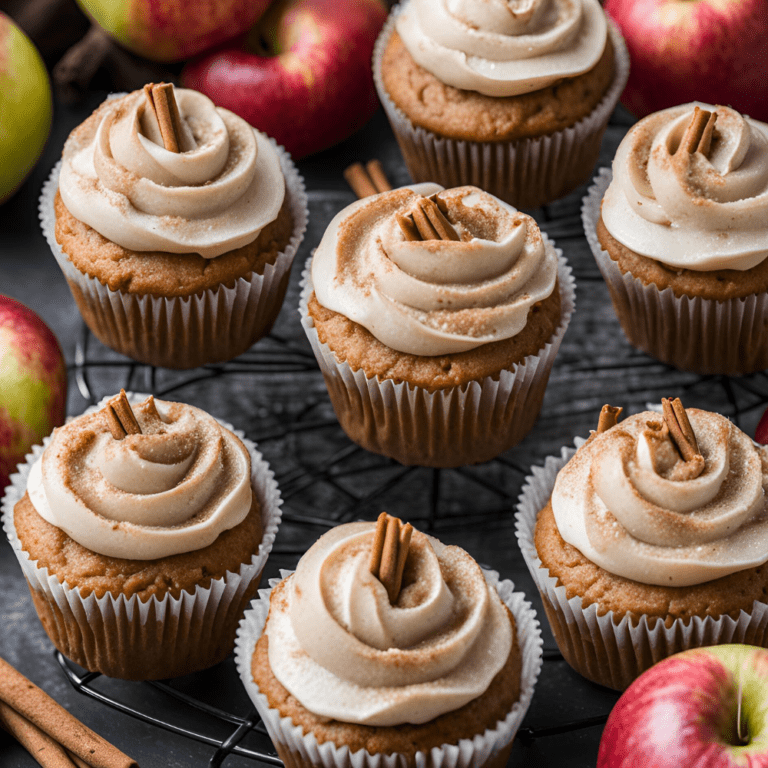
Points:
[(434, 275), (690, 189), (423, 636), (674, 500), (212, 192), (503, 47), (142, 483)]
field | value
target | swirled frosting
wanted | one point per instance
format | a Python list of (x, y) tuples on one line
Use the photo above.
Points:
[(434, 297), (620, 501), (214, 196), (691, 210), (339, 646), (172, 489), (503, 47)]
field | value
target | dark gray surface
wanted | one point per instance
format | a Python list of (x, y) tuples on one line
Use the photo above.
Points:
[(595, 365)]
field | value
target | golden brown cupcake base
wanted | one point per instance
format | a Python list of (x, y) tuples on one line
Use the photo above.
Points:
[(464, 723), (472, 116), (738, 345), (444, 433), (601, 660), (128, 647)]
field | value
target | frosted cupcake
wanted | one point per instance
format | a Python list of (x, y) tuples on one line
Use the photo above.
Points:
[(436, 344), (387, 647), (142, 533), (175, 226), (679, 232), (649, 539), (513, 98)]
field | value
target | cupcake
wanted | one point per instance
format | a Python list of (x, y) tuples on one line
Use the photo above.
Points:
[(142, 533), (649, 539), (436, 346), (386, 647), (515, 101), (175, 224), (679, 231)]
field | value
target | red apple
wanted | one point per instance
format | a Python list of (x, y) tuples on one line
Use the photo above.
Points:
[(311, 85), (715, 51), (172, 30), (707, 707), (33, 384), (761, 432), (25, 106)]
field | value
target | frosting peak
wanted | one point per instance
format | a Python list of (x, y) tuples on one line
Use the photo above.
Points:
[(174, 488), (503, 47), (692, 209), (340, 647), (625, 501), (214, 196), (434, 297)]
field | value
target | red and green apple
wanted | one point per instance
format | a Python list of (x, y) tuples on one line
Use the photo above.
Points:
[(173, 30), (706, 707), (25, 106), (33, 384), (302, 75)]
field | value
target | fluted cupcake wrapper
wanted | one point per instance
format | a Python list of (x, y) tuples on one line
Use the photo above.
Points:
[(161, 637), (300, 750), (525, 172), (184, 332), (604, 648), (448, 427), (690, 333)]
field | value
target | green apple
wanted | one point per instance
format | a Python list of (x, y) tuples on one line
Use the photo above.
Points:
[(173, 30), (25, 107)]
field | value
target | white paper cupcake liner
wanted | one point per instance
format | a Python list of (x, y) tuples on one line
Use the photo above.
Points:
[(467, 753), (166, 635), (525, 172), (690, 333), (448, 427), (605, 648), (184, 332)]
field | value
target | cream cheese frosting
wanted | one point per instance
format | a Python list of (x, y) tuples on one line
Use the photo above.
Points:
[(174, 488), (339, 646), (503, 47), (692, 210), (214, 196), (434, 297), (620, 502)]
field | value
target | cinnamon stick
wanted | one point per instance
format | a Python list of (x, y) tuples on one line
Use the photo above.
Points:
[(680, 429), (120, 417), (438, 220), (389, 553), (426, 222), (408, 227), (378, 177), (37, 707), (609, 417), (47, 751), (162, 102), (698, 134)]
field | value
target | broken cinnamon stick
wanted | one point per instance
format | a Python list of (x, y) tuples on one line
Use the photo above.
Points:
[(389, 553), (609, 417), (680, 428), (120, 417), (367, 180), (427, 222), (37, 707), (698, 134)]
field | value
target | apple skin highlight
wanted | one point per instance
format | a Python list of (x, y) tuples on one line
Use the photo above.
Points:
[(310, 85), (173, 30), (715, 51), (683, 712), (33, 384)]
